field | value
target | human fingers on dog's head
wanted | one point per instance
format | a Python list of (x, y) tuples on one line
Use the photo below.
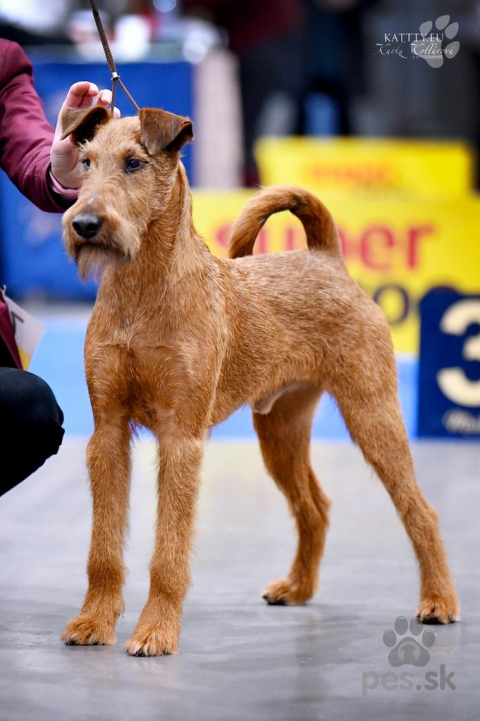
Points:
[(104, 99), (81, 95)]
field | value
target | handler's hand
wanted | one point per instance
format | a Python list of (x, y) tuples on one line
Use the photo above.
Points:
[(63, 154)]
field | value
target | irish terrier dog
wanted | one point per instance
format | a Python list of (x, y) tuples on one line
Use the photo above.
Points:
[(179, 340)]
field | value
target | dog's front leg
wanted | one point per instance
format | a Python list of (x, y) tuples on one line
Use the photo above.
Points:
[(108, 460), (158, 628)]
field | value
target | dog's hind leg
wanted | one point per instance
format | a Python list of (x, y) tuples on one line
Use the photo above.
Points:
[(108, 460), (370, 407), (284, 436)]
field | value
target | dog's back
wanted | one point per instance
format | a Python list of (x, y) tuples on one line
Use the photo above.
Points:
[(300, 312)]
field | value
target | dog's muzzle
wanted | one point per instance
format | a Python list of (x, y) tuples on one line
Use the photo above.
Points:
[(87, 225)]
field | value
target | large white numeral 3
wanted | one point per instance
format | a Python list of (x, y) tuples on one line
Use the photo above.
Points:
[(452, 381)]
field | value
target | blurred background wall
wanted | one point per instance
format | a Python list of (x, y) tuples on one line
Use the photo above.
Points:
[(372, 104), (293, 66)]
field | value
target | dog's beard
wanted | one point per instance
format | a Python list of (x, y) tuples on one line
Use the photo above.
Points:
[(117, 243), (92, 259)]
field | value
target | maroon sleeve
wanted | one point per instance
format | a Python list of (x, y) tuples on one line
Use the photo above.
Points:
[(25, 134)]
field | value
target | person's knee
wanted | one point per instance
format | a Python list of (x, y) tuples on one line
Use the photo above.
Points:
[(31, 411), (43, 416), (30, 425)]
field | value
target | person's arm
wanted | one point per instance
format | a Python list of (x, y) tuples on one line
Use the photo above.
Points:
[(25, 134), (42, 166)]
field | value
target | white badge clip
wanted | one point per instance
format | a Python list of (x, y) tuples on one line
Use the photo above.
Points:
[(28, 331)]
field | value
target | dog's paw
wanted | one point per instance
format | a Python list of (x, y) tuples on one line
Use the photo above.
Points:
[(439, 610), (85, 630), (284, 593), (152, 641)]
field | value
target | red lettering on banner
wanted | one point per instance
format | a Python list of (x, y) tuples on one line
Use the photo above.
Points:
[(373, 241), (261, 244), (364, 175), (222, 235), (344, 244), (378, 247), (290, 238), (382, 249), (415, 235)]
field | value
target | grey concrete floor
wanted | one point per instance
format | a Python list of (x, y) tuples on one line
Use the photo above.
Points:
[(240, 659)]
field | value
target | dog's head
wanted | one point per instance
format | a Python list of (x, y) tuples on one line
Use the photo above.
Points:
[(128, 172)]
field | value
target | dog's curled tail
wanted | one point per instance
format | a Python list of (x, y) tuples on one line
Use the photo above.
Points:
[(316, 219)]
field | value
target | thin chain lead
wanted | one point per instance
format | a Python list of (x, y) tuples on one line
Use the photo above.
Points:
[(109, 57)]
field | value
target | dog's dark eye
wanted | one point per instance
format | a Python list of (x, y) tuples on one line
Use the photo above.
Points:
[(133, 164), (86, 162)]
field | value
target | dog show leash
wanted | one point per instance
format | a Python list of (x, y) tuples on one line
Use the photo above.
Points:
[(109, 58)]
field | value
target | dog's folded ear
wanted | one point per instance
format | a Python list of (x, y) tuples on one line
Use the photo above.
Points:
[(161, 130), (82, 123)]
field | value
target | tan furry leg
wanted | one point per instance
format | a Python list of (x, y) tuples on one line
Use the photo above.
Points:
[(376, 424), (158, 629), (108, 459), (284, 436)]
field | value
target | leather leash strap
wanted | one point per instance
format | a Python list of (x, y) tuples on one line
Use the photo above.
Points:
[(109, 57)]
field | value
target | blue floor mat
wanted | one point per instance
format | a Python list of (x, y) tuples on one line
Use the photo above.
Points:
[(59, 360)]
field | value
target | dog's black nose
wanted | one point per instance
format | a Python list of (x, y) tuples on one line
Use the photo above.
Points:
[(87, 225)]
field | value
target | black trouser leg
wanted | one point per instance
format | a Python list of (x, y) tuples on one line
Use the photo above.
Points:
[(30, 425)]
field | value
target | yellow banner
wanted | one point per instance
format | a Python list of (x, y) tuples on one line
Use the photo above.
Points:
[(395, 167), (396, 249)]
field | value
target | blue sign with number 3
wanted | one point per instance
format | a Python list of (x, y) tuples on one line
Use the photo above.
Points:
[(449, 377)]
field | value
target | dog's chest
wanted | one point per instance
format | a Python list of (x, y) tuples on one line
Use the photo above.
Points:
[(146, 363)]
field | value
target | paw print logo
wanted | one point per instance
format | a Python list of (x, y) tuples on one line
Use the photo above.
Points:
[(408, 650), (430, 47)]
